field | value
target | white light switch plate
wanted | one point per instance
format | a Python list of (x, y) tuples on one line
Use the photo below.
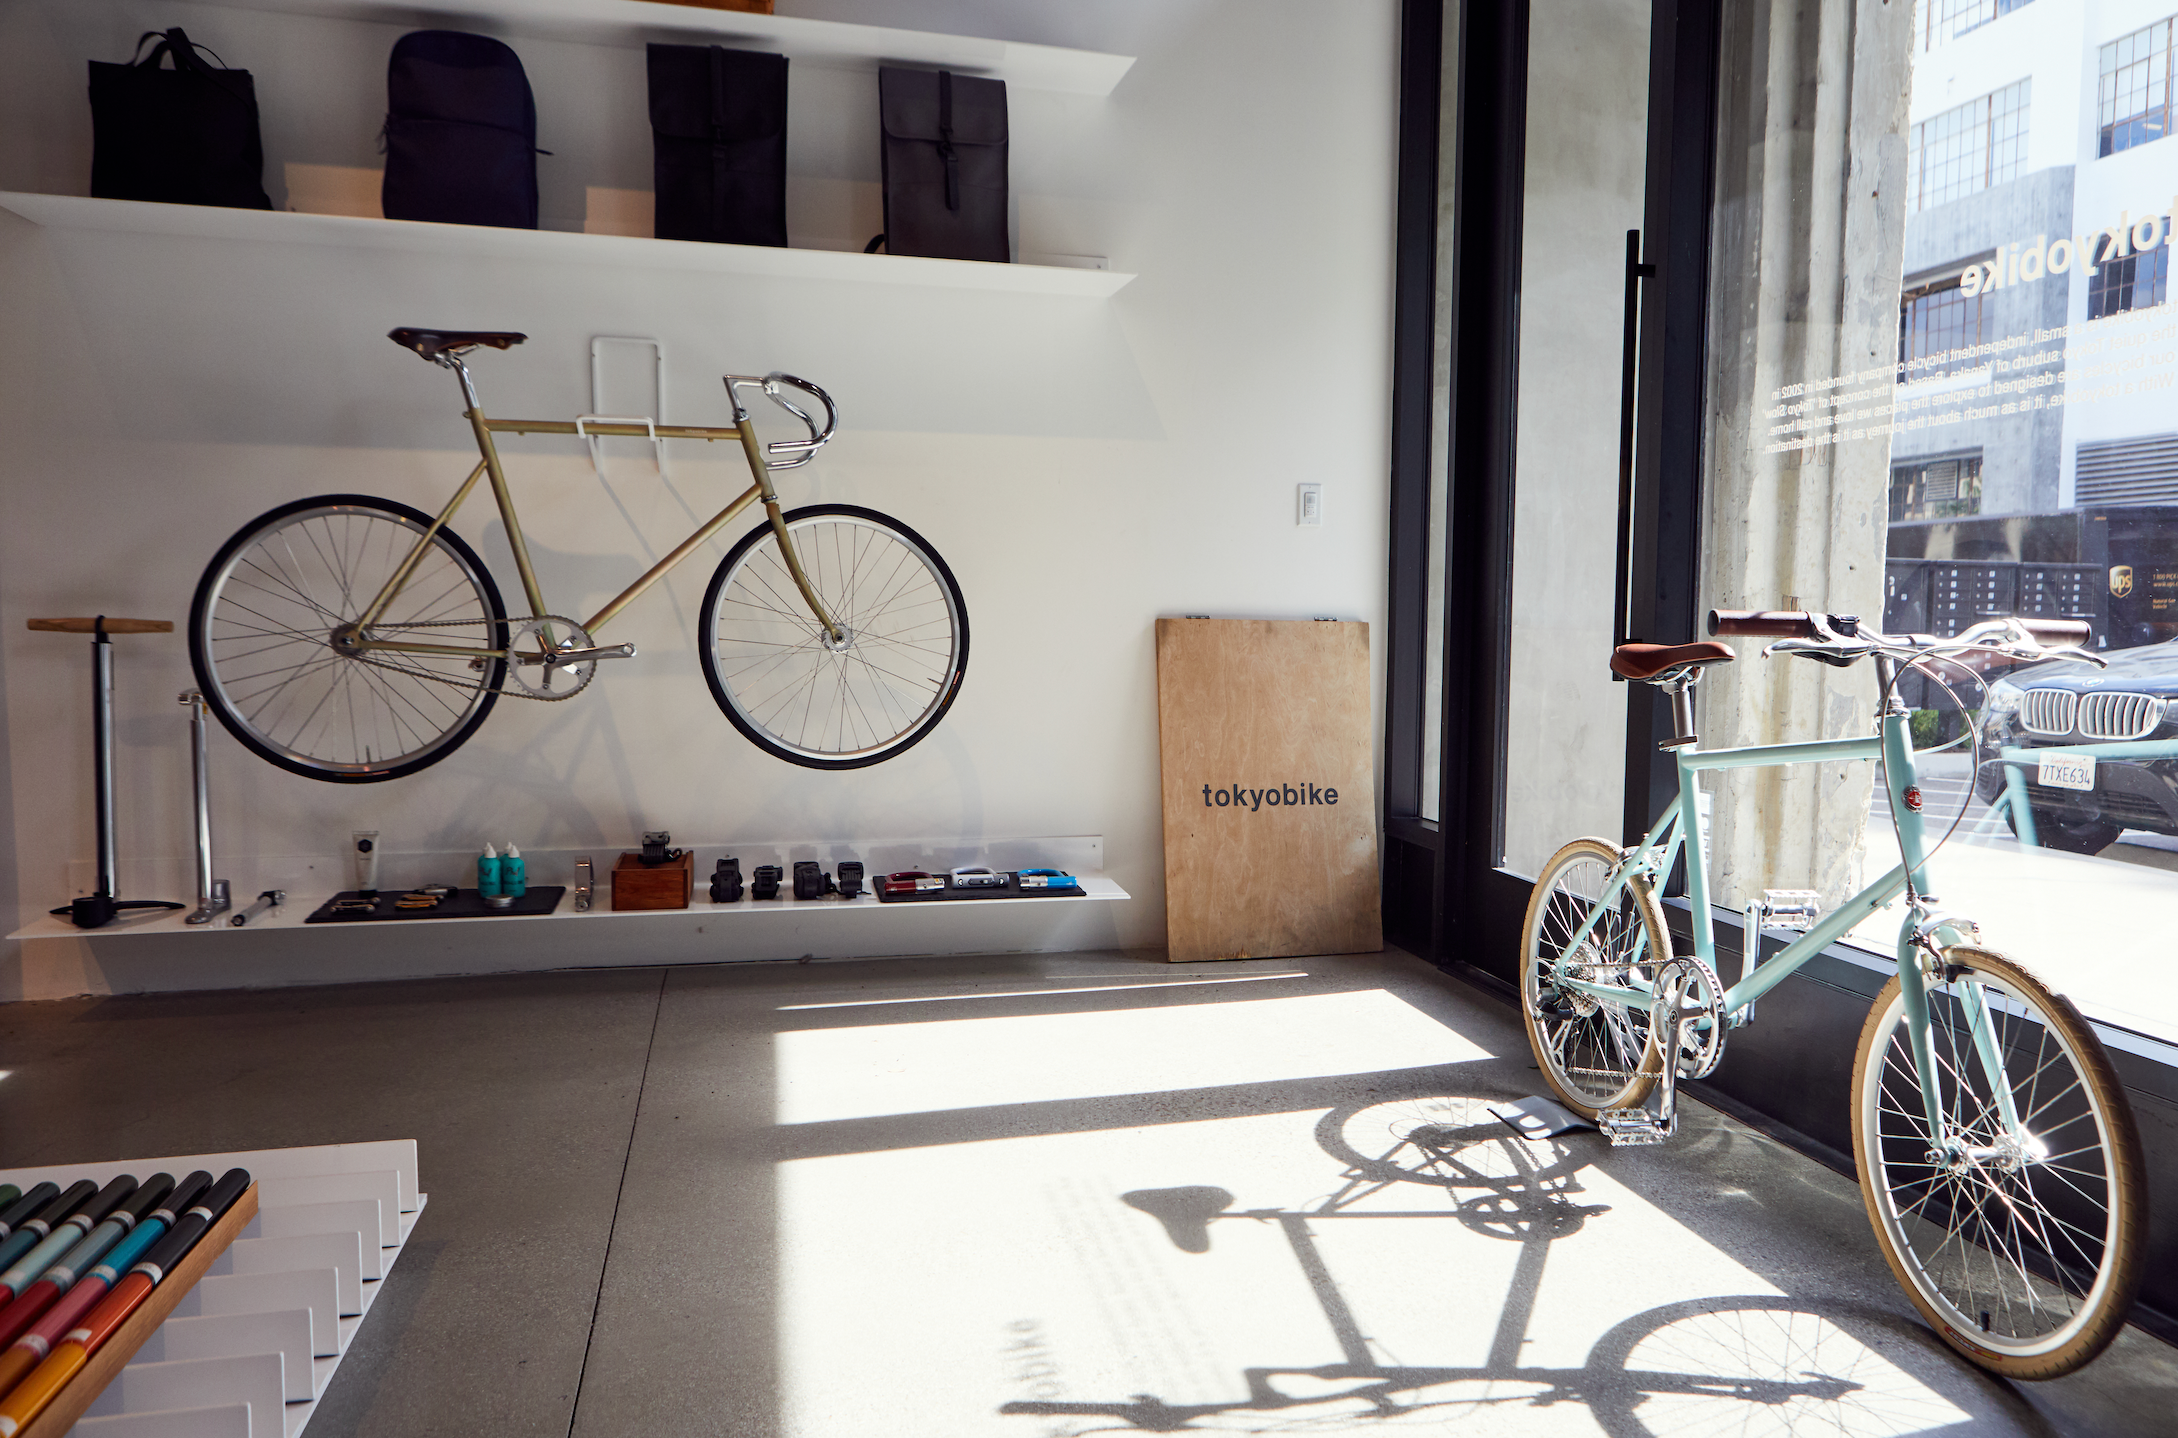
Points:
[(1308, 504)]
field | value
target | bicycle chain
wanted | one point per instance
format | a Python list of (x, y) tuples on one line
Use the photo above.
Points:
[(515, 693)]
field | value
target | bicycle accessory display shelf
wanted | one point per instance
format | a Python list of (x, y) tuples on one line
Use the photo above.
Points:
[(1011, 889), (460, 904), (832, 44), (287, 1276), (76, 212)]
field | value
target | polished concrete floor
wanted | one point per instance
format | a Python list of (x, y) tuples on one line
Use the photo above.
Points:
[(1040, 1196)]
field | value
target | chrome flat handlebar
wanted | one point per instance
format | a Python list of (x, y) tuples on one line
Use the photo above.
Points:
[(797, 452), (1991, 643)]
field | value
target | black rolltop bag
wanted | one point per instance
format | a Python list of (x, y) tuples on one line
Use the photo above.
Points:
[(944, 164), (718, 144)]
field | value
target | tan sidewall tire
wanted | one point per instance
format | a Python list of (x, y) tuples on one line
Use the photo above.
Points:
[(2128, 1184), (1652, 918)]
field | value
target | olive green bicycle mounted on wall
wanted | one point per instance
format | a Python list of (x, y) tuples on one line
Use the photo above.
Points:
[(355, 639), (1998, 1159)]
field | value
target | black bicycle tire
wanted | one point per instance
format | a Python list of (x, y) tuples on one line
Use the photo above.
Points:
[(213, 700), (707, 638)]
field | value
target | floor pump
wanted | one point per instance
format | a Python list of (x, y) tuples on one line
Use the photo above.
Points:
[(92, 911)]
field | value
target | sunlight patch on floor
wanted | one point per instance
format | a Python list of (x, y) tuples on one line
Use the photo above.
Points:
[(830, 1074), (1404, 1263)]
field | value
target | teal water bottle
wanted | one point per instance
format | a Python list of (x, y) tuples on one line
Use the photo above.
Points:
[(513, 882), (489, 868)]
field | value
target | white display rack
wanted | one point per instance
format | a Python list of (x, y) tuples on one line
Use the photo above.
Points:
[(784, 909), (288, 227), (830, 43), (264, 1331)]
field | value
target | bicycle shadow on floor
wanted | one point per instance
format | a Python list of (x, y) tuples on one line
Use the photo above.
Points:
[(1746, 1364)]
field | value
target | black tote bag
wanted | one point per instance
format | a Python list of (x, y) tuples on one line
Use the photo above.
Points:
[(944, 164), (185, 136), (718, 144), (461, 132)]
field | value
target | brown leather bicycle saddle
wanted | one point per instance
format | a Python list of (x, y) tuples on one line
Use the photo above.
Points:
[(433, 343), (1646, 661)]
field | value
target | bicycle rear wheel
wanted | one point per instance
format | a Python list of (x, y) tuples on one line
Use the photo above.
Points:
[(2024, 1255), (261, 639), (796, 696), (1596, 1056)]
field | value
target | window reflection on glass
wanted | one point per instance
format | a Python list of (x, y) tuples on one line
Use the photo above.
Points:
[(2133, 98), (2023, 460), (1942, 20), (1968, 148)]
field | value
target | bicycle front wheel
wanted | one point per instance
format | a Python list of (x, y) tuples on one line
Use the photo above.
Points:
[(2020, 1244), (264, 639), (805, 699), (1596, 1055)]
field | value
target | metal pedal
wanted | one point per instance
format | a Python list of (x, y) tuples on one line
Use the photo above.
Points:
[(1632, 1127)]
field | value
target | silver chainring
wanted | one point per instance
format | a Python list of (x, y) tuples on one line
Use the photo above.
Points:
[(528, 663), (1690, 983)]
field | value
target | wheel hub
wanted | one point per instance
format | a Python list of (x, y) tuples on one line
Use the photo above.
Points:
[(347, 640), (840, 642)]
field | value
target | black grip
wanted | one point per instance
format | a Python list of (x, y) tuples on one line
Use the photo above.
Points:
[(1772, 623)]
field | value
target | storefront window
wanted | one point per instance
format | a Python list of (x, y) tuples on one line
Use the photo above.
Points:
[(2003, 171)]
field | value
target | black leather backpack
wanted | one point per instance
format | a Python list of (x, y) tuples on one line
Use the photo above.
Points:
[(461, 132)]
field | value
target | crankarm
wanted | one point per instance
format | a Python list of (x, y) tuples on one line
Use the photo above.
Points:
[(1274, 795)]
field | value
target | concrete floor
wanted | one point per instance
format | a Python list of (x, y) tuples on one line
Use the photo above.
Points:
[(1030, 1196)]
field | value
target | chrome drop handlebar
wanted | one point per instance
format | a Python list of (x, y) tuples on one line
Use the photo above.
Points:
[(798, 452)]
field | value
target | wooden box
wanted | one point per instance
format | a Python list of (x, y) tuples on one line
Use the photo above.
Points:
[(1267, 758), (637, 885)]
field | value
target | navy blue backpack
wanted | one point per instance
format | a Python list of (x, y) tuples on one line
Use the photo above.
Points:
[(461, 132)]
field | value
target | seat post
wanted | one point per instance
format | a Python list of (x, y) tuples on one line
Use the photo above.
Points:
[(1681, 690)]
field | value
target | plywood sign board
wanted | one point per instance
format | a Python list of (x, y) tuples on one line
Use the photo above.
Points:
[(1269, 788)]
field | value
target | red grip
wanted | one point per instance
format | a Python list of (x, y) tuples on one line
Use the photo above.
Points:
[(1773, 623)]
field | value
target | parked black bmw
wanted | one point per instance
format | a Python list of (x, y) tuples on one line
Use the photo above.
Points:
[(2135, 699)]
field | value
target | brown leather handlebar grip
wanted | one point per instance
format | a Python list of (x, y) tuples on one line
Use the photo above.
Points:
[(2056, 631), (1773, 623)]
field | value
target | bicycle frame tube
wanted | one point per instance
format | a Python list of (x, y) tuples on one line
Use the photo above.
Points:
[(762, 470), (665, 566), (408, 565)]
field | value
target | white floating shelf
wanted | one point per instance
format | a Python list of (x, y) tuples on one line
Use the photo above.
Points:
[(77, 212), (813, 42), (745, 910)]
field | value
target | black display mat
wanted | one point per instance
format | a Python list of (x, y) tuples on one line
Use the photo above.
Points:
[(1011, 889), (461, 904)]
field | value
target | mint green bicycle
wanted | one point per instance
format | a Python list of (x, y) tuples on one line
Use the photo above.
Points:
[(1998, 1159)]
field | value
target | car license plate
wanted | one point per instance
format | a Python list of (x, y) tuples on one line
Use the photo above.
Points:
[(2066, 771)]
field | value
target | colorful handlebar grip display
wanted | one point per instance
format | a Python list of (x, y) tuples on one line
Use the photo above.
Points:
[(30, 1349), (39, 1224), (61, 1277), (24, 1206), (75, 1349), (65, 1234)]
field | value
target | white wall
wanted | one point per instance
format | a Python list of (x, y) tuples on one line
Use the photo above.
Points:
[(1083, 465)]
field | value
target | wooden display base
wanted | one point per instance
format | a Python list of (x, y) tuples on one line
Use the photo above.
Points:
[(637, 885), (114, 1354)]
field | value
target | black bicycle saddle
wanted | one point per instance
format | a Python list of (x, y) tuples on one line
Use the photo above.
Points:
[(433, 343)]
